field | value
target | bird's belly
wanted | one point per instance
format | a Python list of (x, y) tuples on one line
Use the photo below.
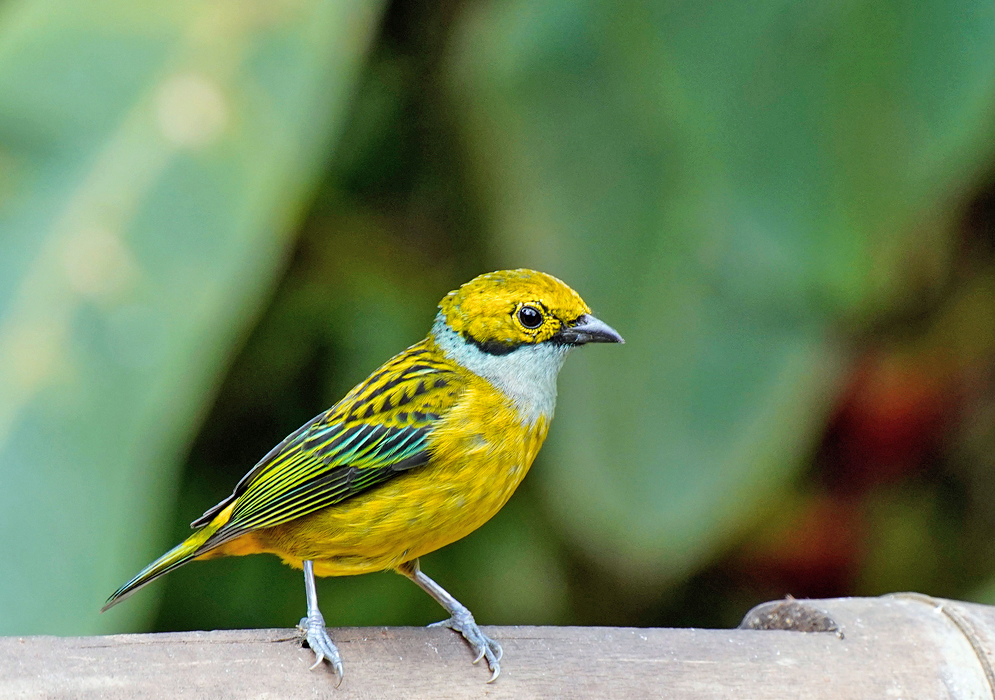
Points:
[(467, 481)]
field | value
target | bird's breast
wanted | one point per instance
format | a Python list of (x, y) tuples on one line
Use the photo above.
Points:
[(483, 449)]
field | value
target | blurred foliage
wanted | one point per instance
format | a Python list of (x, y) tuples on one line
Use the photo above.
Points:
[(217, 217), (760, 172), (153, 156)]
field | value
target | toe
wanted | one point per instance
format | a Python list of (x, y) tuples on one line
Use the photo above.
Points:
[(483, 646), (316, 637), (493, 653)]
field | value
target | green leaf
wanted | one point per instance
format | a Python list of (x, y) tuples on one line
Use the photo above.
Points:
[(152, 159), (724, 183)]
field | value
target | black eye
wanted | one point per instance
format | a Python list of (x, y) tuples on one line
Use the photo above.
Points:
[(530, 317)]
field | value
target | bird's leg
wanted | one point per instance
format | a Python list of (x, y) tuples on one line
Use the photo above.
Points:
[(313, 626), (460, 620)]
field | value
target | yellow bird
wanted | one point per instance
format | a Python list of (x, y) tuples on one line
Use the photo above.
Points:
[(423, 452)]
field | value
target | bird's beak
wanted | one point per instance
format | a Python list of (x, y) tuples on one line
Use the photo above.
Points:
[(588, 329)]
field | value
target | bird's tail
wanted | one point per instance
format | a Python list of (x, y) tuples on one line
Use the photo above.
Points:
[(179, 555)]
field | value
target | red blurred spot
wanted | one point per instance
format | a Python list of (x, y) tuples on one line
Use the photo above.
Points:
[(890, 420), (813, 553)]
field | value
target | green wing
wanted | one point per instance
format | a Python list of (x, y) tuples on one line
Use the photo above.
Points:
[(379, 430)]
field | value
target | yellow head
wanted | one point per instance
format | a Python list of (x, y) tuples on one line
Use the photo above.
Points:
[(515, 328), (501, 311)]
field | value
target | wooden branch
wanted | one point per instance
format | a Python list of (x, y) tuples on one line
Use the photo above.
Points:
[(900, 646)]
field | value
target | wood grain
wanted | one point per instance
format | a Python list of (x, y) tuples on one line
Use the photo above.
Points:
[(903, 646)]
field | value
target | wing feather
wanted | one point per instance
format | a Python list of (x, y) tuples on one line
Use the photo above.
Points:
[(379, 430)]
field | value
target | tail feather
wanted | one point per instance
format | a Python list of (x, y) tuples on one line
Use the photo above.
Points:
[(179, 555)]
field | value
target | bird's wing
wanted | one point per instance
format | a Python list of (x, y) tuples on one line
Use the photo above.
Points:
[(379, 430)]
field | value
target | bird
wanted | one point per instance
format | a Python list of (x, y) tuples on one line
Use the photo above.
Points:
[(421, 453)]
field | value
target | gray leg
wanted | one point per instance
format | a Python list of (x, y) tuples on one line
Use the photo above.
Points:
[(313, 626), (461, 620)]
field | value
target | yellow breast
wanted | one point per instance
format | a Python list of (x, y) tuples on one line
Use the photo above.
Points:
[(481, 451)]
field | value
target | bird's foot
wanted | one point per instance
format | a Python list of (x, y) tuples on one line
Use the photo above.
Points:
[(486, 648), (316, 637)]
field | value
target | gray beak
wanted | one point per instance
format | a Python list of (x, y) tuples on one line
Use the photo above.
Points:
[(588, 329)]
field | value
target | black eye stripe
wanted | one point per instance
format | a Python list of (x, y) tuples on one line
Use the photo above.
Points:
[(530, 317)]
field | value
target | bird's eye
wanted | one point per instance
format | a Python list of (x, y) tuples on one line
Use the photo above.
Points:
[(530, 317)]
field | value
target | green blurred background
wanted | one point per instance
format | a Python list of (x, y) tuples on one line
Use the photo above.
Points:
[(216, 216)]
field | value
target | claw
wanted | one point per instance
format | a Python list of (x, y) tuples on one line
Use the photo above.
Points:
[(316, 637), (484, 646)]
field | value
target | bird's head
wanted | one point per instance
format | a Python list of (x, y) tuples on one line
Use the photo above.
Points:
[(514, 328)]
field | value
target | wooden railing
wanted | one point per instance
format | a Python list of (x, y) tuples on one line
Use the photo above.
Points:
[(904, 646)]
